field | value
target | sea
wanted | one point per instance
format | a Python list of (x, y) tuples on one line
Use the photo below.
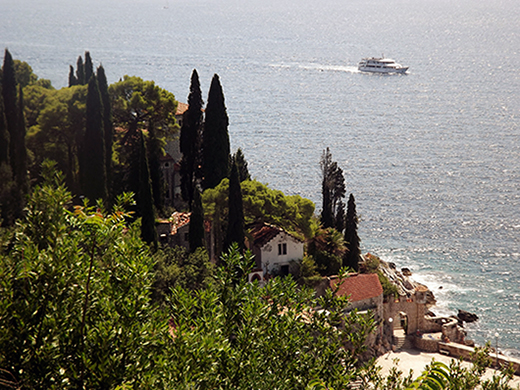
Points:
[(432, 157)]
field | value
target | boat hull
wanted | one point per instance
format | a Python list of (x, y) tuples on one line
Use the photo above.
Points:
[(383, 70)]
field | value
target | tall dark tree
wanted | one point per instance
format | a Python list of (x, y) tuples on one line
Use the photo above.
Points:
[(15, 123), (89, 67), (240, 161), (155, 152), (352, 240), (108, 128), (145, 197), (333, 190), (215, 138), (196, 228), (80, 71), (72, 78), (235, 228), (93, 173), (4, 134), (339, 219), (190, 139), (20, 173), (6, 174), (10, 106)]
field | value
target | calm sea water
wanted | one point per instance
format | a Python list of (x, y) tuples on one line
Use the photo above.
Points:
[(432, 157)]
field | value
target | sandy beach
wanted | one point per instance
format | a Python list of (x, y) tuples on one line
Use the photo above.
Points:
[(417, 361)]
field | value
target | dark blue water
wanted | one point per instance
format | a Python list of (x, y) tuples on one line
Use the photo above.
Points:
[(432, 157)]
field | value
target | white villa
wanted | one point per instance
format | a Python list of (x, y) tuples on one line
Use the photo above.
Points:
[(276, 251)]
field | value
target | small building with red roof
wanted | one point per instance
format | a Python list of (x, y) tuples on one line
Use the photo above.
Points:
[(364, 291), (276, 251)]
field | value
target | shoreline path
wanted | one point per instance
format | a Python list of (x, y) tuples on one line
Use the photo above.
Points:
[(417, 361)]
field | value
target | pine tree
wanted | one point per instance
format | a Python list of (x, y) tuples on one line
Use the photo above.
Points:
[(352, 240), (89, 67), (235, 228), (240, 161), (92, 165), (215, 139), (108, 128), (145, 197), (72, 79), (196, 229), (190, 139), (80, 71)]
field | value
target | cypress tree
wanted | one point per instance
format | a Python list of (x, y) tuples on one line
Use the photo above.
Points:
[(190, 139), (351, 236), (10, 109), (15, 123), (4, 134), (145, 197), (326, 209), (215, 139), (93, 147), (89, 68), (240, 161), (155, 153), (333, 191), (72, 79), (108, 128), (20, 174), (196, 228), (339, 220), (80, 71), (235, 228), (6, 175)]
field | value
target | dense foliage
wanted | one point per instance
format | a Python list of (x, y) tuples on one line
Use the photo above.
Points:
[(76, 312), (237, 335), (263, 204), (74, 297)]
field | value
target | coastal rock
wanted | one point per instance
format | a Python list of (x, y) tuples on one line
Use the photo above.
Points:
[(406, 272), (467, 316)]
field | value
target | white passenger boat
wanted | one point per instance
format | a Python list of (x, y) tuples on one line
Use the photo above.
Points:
[(381, 65)]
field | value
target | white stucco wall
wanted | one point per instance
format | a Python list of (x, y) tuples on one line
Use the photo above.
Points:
[(272, 260)]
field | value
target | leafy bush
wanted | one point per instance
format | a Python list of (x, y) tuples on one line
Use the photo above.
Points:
[(74, 297), (176, 266), (237, 335)]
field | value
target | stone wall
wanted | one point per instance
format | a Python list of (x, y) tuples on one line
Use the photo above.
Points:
[(459, 350), (414, 310), (425, 344)]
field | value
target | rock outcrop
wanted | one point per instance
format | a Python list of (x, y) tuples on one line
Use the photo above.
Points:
[(467, 316), (406, 286)]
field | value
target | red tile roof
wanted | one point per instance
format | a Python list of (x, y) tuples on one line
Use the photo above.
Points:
[(263, 233), (359, 286)]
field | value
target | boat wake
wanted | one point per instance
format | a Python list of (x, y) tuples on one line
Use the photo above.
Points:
[(317, 67)]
